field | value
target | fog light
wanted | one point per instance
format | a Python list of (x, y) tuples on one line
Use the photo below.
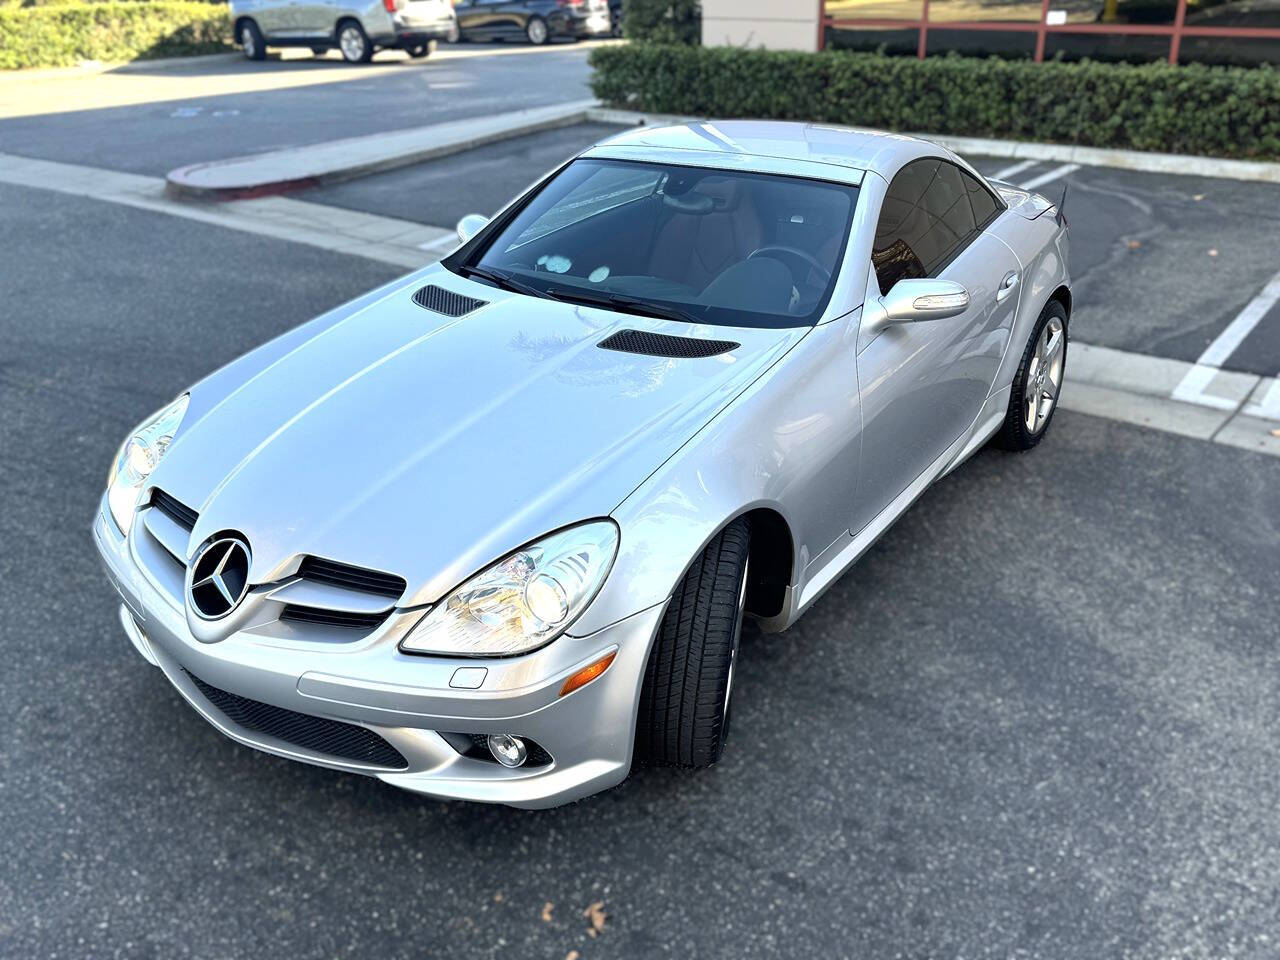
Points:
[(508, 750)]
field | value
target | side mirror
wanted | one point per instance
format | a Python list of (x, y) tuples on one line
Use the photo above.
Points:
[(911, 301), (470, 225)]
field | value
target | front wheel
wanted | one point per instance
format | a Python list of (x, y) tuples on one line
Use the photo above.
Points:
[(423, 50), (684, 712), (537, 31), (1038, 382), (354, 42), (251, 42)]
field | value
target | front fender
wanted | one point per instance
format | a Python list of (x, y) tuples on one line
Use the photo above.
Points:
[(789, 443)]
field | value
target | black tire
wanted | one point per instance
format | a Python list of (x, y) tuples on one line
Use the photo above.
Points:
[(251, 41), (319, 51), (423, 50), (683, 718), (365, 50), (532, 32), (1015, 434)]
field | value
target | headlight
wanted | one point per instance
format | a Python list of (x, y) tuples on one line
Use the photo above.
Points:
[(524, 601), (138, 457)]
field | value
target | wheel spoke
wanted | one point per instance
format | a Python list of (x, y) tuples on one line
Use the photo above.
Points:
[(1053, 346)]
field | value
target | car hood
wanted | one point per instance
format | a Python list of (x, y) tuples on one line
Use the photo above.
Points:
[(427, 446)]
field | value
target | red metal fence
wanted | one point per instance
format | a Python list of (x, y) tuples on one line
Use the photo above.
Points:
[(1214, 31)]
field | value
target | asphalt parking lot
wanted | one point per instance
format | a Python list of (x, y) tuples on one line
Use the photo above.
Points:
[(1038, 719)]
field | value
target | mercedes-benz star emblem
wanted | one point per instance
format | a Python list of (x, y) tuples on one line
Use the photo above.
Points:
[(219, 578)]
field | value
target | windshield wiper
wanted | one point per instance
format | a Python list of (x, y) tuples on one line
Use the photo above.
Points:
[(507, 282), (625, 304)]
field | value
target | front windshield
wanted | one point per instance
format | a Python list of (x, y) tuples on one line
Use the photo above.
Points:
[(709, 246)]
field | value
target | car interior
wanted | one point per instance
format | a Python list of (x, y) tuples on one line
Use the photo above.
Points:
[(726, 242)]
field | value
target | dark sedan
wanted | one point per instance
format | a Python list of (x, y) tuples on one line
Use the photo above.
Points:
[(536, 21)]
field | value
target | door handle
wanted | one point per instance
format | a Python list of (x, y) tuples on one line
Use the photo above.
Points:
[(1007, 286)]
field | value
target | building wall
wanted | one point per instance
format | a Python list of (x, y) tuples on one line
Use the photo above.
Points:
[(774, 24)]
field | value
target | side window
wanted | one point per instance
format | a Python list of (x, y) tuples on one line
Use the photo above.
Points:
[(893, 251), (926, 219), (984, 204)]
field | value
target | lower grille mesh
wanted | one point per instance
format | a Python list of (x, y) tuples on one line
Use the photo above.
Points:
[(346, 741)]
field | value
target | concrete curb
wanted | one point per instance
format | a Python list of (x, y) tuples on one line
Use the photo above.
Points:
[(1257, 171), (279, 171)]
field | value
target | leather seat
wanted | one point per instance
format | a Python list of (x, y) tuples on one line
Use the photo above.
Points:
[(694, 248)]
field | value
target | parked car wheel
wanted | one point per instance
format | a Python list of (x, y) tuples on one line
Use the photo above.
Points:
[(1038, 382), (537, 31), (354, 42), (251, 42), (319, 51), (683, 718), (454, 35), (423, 50)]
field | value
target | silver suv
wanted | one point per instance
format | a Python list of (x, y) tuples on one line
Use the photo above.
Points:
[(355, 27)]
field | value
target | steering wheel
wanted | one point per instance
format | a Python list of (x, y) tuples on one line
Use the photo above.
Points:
[(806, 258)]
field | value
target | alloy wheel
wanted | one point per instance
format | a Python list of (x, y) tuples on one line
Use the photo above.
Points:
[(246, 40), (352, 43), (537, 32), (1044, 376)]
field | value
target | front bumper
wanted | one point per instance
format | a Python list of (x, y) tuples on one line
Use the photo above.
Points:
[(406, 700)]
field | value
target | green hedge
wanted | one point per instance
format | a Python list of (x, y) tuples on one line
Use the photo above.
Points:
[(1220, 111), (663, 21), (63, 35)]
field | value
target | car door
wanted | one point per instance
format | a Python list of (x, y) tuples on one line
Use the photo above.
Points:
[(478, 18), (319, 18), (923, 384), (272, 16)]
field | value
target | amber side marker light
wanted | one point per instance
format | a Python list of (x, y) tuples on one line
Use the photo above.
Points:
[(587, 674)]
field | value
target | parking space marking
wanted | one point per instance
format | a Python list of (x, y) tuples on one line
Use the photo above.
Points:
[(1192, 387), (1054, 174), (1014, 170), (387, 239)]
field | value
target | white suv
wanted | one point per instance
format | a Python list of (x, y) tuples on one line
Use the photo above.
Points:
[(355, 27)]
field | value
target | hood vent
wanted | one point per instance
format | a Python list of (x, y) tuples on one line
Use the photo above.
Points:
[(662, 345), (440, 300), (174, 509)]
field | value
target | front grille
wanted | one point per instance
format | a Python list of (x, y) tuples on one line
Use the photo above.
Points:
[(333, 618), (662, 345), (345, 741), (440, 300), (354, 578), (174, 509)]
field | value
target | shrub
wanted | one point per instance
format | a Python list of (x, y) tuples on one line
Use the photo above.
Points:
[(1222, 111), (663, 21), (64, 34)]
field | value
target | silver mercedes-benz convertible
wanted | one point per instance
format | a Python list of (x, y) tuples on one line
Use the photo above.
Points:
[(491, 531)]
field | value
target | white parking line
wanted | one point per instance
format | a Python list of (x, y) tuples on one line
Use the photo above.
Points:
[(1014, 170), (1054, 174), (1192, 387)]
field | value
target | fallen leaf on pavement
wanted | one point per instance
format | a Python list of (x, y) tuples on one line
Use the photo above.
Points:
[(1213, 252), (1134, 244), (595, 913), (1198, 196), (1276, 432), (571, 955), (497, 897), (546, 911)]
